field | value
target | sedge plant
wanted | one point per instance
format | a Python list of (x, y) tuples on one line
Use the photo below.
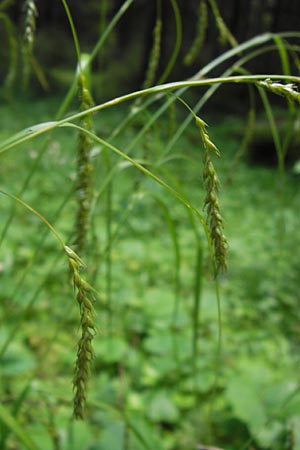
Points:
[(208, 227)]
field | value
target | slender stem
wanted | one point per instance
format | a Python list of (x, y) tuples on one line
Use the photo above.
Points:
[(147, 172), (177, 45), (36, 213), (74, 33), (196, 307), (93, 54), (108, 256), (41, 129)]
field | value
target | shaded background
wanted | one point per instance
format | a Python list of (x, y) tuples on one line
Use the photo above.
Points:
[(121, 65), (137, 269)]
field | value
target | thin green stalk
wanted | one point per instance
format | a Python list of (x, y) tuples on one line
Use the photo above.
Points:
[(259, 40), (115, 233), (227, 55), (156, 47), (186, 204), (72, 90), (122, 220), (217, 238), (212, 89), (36, 213), (19, 283), (74, 33), (200, 35), (108, 257), (224, 32), (274, 131), (16, 328), (281, 47), (84, 167), (198, 267), (177, 45), (249, 128), (42, 128), (177, 257), (254, 42), (64, 106), (84, 297), (177, 281), (218, 369), (20, 193), (103, 16), (18, 320), (41, 242), (143, 169), (222, 58), (281, 153)]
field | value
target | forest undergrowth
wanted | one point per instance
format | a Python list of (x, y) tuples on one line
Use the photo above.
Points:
[(149, 254)]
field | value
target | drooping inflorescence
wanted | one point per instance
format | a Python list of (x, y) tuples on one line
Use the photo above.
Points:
[(155, 54), (84, 296), (225, 34), (214, 219), (289, 90)]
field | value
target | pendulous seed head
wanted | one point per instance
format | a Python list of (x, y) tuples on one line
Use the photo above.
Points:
[(88, 329), (211, 203)]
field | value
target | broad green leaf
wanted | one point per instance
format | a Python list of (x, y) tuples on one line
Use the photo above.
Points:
[(247, 406), (162, 408), (80, 436), (111, 350), (112, 437)]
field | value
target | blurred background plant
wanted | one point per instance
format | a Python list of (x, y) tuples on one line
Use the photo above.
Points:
[(163, 377)]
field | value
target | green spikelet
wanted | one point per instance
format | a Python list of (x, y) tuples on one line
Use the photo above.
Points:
[(84, 171), (155, 55), (289, 91), (88, 329), (225, 34), (211, 204), (200, 34), (31, 13)]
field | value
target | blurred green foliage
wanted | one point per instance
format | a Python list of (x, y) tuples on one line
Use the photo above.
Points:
[(147, 391)]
